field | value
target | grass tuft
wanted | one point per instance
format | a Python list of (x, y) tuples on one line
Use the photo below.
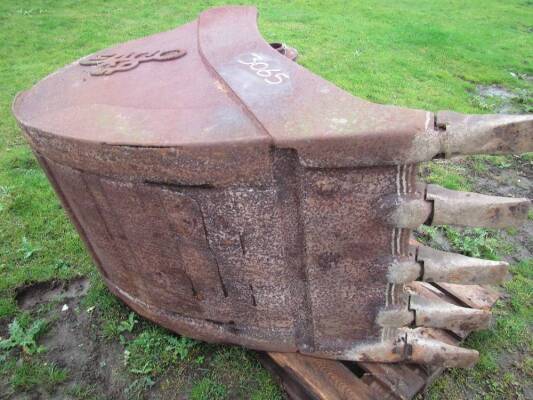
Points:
[(446, 174), (30, 374), (208, 389), (155, 350), (472, 242)]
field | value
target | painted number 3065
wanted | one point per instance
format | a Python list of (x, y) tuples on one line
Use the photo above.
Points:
[(263, 70)]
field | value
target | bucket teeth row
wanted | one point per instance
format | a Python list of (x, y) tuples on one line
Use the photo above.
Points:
[(456, 134)]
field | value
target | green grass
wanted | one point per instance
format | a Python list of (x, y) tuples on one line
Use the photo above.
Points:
[(450, 175), (26, 375), (429, 54), (234, 364), (472, 242), (154, 350), (111, 311), (207, 389)]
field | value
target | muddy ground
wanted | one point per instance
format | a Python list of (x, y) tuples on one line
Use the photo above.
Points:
[(72, 341)]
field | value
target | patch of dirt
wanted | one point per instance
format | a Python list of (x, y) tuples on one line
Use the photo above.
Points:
[(515, 361), (72, 342), (503, 96), (522, 242), (39, 293), (516, 181), (495, 91)]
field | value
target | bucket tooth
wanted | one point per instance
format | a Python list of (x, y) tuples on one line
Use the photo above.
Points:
[(404, 271), (441, 266), (422, 349), (388, 351), (395, 318), (474, 209), (415, 346), (440, 314), (406, 211), (484, 134)]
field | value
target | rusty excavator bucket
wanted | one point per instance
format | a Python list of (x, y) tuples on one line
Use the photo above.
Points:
[(230, 195)]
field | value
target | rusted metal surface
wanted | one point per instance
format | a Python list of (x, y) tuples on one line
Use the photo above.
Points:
[(231, 195)]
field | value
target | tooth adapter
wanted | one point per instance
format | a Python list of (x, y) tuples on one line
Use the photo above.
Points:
[(229, 194)]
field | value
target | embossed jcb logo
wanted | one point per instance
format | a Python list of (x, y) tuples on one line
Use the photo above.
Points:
[(107, 64)]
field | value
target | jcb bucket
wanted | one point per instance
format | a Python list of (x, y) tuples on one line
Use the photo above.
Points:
[(229, 194)]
